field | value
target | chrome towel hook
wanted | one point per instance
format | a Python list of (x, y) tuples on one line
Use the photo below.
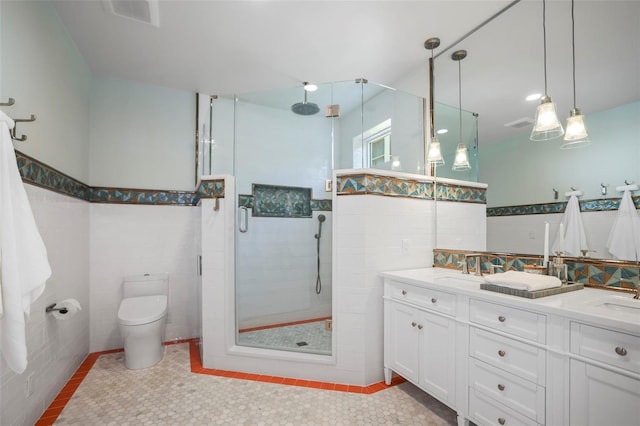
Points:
[(10, 102), (22, 138)]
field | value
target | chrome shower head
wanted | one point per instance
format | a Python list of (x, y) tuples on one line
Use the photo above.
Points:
[(305, 108)]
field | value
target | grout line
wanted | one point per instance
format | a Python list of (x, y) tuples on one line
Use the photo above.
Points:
[(59, 403)]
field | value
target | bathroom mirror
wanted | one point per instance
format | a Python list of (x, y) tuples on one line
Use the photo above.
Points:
[(504, 65)]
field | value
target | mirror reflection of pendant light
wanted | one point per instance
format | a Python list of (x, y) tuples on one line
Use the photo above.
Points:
[(461, 161), (546, 125), (434, 154), (576, 135)]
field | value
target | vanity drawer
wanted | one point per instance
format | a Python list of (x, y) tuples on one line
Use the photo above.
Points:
[(521, 395), (525, 324), (523, 360), (608, 346), (485, 411), (434, 300)]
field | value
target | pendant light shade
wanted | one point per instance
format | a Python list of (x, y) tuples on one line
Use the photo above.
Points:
[(461, 160), (434, 156), (576, 135), (546, 125)]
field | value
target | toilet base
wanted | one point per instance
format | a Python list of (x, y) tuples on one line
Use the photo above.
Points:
[(143, 344)]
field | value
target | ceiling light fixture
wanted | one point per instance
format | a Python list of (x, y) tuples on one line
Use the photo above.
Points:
[(434, 153), (533, 97), (576, 135), (442, 131), (310, 87), (546, 125), (461, 161)]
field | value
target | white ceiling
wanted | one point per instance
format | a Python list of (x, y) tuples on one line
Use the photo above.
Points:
[(225, 47)]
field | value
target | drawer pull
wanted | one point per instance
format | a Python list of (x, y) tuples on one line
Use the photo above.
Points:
[(501, 420), (413, 324), (501, 387), (404, 292), (501, 352), (621, 351), (419, 326), (434, 300), (501, 318)]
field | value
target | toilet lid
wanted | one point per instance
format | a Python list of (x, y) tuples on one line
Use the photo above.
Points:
[(142, 310)]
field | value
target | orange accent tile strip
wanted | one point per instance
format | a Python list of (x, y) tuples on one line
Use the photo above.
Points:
[(51, 414), (284, 324), (197, 368)]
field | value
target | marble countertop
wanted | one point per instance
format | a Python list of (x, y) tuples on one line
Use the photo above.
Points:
[(598, 307)]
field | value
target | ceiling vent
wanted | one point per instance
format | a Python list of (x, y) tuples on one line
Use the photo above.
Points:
[(145, 11), (520, 123)]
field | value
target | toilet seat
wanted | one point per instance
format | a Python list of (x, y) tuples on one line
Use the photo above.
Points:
[(142, 310)]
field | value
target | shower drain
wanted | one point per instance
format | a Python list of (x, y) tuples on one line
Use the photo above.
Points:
[(302, 343)]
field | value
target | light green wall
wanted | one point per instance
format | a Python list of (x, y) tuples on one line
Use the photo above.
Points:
[(520, 171), (42, 69)]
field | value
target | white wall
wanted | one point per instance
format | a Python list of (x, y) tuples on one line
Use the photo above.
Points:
[(46, 75), (55, 348), (462, 226), (133, 240), (141, 136)]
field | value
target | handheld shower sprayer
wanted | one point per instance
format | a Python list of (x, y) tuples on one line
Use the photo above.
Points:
[(321, 218)]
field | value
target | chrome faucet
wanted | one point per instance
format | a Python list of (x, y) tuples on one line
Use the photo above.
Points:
[(637, 287), (478, 266), (558, 268)]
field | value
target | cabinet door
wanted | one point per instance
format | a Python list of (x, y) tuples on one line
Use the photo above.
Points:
[(437, 356), (402, 343), (602, 397)]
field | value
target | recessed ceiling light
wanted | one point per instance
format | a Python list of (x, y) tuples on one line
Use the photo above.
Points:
[(533, 97), (310, 87), (442, 131)]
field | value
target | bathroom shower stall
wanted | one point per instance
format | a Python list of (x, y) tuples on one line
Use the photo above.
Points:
[(282, 147)]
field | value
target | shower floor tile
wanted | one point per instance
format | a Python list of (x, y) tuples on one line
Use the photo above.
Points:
[(312, 335), (170, 394)]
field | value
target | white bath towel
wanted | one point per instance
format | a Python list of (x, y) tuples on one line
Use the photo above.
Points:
[(624, 239), (523, 280), (24, 267), (574, 236)]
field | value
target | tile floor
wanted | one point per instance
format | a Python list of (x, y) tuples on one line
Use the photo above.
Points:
[(308, 337), (173, 393)]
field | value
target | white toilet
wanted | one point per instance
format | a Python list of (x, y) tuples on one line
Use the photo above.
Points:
[(142, 317)]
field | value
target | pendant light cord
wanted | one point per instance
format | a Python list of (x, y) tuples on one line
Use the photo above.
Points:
[(573, 51), (460, 97), (544, 42)]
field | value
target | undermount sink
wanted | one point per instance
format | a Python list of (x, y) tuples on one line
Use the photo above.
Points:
[(459, 279), (620, 304)]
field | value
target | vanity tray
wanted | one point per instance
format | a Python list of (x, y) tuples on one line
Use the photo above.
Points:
[(532, 294)]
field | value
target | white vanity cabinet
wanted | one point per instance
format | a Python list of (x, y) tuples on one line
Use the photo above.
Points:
[(504, 360), (420, 338), (601, 390)]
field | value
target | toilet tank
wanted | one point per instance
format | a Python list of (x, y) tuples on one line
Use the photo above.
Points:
[(145, 285)]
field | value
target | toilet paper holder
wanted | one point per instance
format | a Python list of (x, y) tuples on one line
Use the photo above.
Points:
[(52, 308)]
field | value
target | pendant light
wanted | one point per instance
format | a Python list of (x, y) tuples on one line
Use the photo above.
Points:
[(461, 161), (576, 135), (546, 125), (434, 154)]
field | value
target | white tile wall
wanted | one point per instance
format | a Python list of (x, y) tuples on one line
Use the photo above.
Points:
[(131, 240), (55, 348), (462, 226), (525, 234)]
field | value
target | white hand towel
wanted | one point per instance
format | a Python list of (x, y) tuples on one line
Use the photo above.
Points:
[(574, 237), (624, 239), (23, 256), (523, 281)]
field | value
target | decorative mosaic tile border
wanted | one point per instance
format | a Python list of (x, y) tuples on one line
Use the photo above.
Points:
[(40, 174), (399, 187), (316, 205), (599, 273), (585, 206)]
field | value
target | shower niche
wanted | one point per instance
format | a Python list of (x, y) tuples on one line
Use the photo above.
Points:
[(282, 146)]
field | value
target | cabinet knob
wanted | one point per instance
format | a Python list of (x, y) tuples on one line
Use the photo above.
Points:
[(501, 352), (501, 420), (434, 300), (501, 386), (501, 318), (419, 326), (413, 324), (621, 351), (404, 292)]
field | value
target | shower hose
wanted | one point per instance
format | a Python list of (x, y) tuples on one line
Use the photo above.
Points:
[(318, 280)]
